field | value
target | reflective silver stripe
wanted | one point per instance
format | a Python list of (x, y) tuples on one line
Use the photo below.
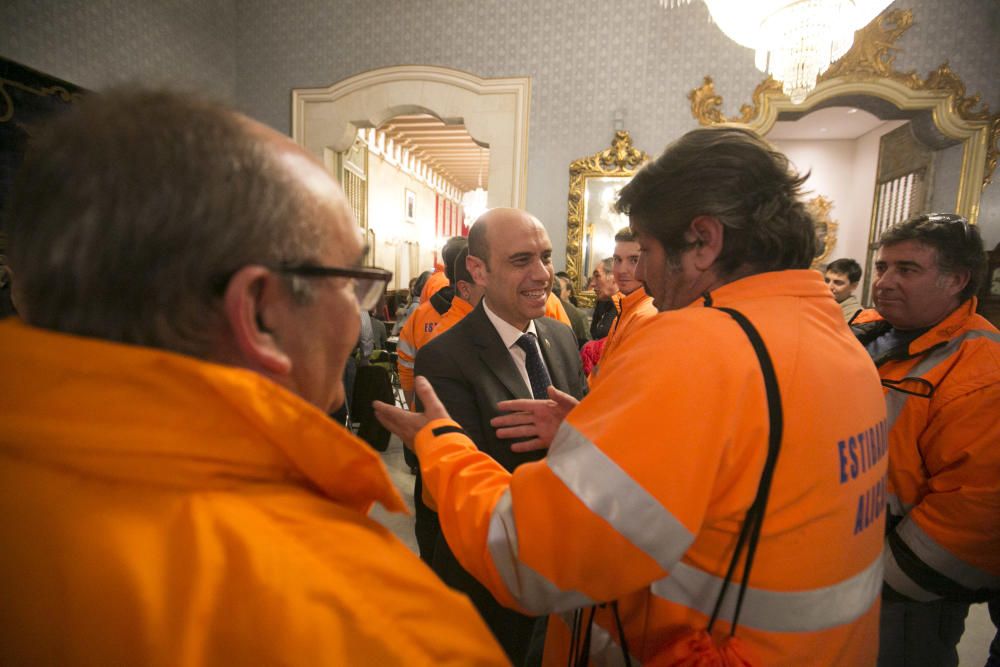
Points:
[(404, 363), (405, 347), (604, 650), (533, 591), (897, 507), (942, 560), (901, 582), (776, 611), (895, 401), (610, 493)]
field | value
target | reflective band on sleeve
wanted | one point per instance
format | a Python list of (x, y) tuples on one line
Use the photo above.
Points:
[(895, 401), (406, 348), (897, 507), (604, 650), (900, 582), (404, 363), (534, 592), (776, 611), (610, 493), (940, 559)]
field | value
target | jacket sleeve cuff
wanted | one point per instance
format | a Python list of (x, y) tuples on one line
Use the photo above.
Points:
[(427, 436)]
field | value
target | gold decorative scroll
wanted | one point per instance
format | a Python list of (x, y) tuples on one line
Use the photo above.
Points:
[(621, 159), (8, 103)]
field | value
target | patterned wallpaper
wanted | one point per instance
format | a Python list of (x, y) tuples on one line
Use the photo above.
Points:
[(586, 58), (97, 43)]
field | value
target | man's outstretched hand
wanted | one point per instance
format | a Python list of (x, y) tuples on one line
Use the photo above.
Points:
[(535, 419), (404, 423)]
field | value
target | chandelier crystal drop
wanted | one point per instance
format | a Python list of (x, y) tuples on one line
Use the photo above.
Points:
[(794, 40), (474, 201)]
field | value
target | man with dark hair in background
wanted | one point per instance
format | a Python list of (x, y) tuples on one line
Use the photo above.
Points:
[(633, 516), (420, 325), (633, 304), (940, 366), (603, 282), (842, 276), (171, 489)]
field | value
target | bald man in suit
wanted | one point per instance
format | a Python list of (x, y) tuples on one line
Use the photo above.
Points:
[(504, 349)]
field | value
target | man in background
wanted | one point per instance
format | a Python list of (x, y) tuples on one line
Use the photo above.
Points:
[(633, 303), (171, 488), (842, 276), (562, 287), (940, 366), (603, 283)]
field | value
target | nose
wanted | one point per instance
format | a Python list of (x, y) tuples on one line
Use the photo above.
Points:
[(541, 271)]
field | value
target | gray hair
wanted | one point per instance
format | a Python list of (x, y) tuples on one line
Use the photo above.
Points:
[(131, 212)]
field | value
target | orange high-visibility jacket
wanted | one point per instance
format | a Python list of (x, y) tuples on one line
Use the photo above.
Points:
[(633, 310), (459, 309), (160, 510), (644, 489), (417, 330), (943, 400), (435, 283), (555, 310)]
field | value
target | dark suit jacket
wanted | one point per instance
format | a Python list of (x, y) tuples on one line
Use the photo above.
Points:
[(471, 370)]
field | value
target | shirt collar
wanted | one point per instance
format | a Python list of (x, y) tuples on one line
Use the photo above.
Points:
[(508, 332)]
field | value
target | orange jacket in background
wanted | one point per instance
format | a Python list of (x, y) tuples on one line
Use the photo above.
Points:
[(943, 400), (160, 510), (417, 330), (555, 310), (436, 281), (459, 309), (633, 310), (646, 485)]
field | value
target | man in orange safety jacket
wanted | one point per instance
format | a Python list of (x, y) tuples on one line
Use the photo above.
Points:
[(172, 491), (634, 304), (940, 366), (624, 532), (419, 327)]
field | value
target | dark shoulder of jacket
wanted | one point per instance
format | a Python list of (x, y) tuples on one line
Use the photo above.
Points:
[(441, 300), (869, 331)]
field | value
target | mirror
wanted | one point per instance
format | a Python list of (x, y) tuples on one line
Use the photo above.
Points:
[(948, 140), (594, 182)]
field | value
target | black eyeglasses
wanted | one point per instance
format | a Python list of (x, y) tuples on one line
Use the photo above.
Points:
[(369, 284)]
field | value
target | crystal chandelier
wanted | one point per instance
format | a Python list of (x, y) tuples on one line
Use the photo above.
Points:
[(795, 40), (474, 201)]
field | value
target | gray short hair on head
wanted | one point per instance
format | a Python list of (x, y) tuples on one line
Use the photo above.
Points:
[(608, 264), (131, 212), (733, 175), (958, 245)]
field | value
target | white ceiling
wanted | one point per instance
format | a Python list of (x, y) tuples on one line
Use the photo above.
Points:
[(448, 149), (826, 124)]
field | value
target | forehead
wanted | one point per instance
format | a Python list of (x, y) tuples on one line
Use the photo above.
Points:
[(518, 234), (836, 275), (626, 248), (912, 252)]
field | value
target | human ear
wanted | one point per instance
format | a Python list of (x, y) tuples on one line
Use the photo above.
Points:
[(954, 283), (708, 234), (251, 303), (477, 267)]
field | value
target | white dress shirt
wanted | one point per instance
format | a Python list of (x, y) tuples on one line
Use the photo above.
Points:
[(510, 334)]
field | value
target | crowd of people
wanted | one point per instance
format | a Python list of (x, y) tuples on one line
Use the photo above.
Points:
[(734, 463)]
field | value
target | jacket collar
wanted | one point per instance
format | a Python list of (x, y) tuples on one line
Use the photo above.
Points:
[(139, 414), (940, 333), (627, 302), (803, 283)]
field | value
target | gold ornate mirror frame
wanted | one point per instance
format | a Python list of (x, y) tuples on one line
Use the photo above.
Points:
[(826, 227), (867, 70), (621, 159)]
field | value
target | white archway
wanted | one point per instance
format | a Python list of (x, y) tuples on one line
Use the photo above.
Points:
[(495, 111)]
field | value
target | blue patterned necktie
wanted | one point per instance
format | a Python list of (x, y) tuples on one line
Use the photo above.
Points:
[(537, 373)]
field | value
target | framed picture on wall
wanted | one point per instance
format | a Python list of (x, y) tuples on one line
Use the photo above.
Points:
[(410, 206)]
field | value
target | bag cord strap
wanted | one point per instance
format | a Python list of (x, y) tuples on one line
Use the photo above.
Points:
[(750, 531)]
